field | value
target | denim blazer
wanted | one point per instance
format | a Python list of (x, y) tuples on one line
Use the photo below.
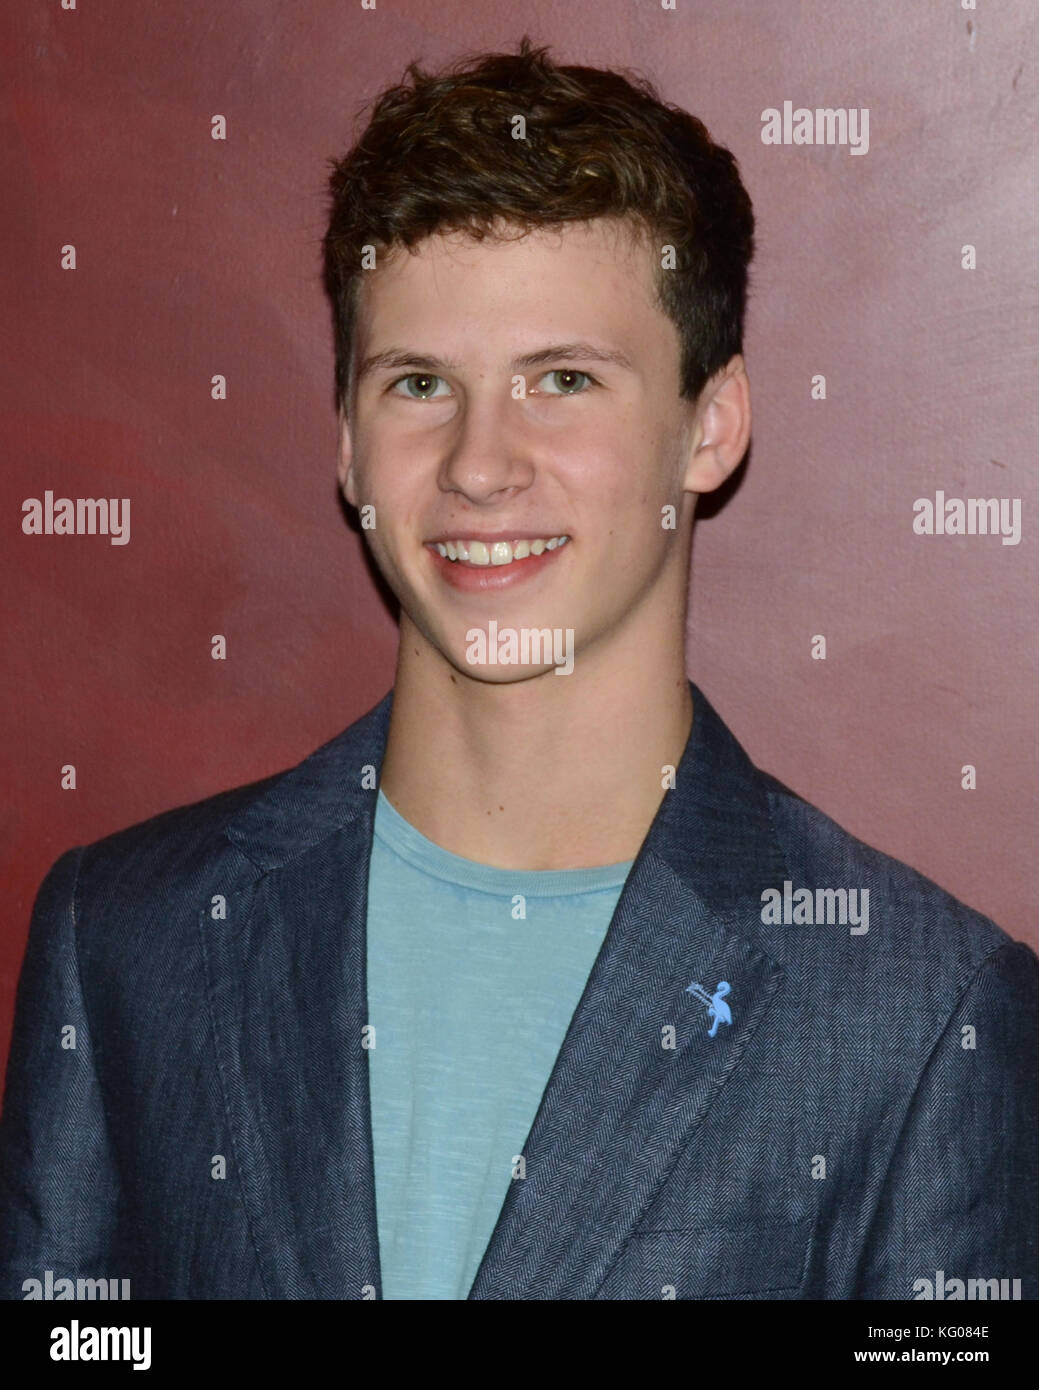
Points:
[(855, 1116)]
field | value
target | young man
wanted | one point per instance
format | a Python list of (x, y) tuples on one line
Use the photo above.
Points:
[(528, 985)]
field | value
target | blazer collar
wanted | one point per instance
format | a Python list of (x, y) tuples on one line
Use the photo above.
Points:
[(287, 981), (714, 830), (324, 793)]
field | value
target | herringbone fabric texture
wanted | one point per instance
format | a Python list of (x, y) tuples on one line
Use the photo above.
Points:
[(869, 1116)]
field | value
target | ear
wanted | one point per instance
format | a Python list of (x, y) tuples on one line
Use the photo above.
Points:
[(344, 461), (721, 430)]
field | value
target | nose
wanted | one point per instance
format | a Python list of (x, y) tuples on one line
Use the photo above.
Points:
[(488, 453)]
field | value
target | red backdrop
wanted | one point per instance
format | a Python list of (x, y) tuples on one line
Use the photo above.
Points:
[(197, 257)]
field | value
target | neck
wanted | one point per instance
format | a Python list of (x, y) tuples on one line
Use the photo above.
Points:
[(552, 772)]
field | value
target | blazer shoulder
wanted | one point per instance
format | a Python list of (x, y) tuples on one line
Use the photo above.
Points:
[(910, 913), (183, 849), (289, 808), (170, 841)]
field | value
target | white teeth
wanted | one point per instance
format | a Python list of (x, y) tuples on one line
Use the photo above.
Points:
[(498, 552)]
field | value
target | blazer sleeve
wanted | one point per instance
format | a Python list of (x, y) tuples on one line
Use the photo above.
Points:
[(962, 1192), (58, 1190)]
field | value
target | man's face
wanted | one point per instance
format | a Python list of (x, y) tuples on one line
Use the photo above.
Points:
[(487, 425)]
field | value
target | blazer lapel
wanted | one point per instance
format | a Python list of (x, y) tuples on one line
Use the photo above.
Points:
[(287, 978), (287, 971), (619, 1105)]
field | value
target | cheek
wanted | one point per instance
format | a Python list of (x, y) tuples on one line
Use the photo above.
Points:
[(383, 478), (625, 479)]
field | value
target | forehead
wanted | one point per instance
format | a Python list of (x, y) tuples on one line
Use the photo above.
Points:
[(577, 280)]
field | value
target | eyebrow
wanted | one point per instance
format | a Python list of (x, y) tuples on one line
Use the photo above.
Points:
[(403, 357)]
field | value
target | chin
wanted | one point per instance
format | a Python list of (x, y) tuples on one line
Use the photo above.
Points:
[(502, 675)]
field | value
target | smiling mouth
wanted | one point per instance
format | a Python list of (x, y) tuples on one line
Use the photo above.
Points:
[(482, 554)]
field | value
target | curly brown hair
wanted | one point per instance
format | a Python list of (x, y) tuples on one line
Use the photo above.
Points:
[(439, 155)]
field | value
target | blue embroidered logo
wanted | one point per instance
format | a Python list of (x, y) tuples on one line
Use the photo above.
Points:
[(717, 1009)]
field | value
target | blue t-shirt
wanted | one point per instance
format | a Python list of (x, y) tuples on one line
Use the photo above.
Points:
[(473, 976)]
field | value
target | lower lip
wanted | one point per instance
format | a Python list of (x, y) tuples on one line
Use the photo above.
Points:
[(474, 579)]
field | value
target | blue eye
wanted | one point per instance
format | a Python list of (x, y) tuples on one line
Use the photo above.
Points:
[(426, 382)]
